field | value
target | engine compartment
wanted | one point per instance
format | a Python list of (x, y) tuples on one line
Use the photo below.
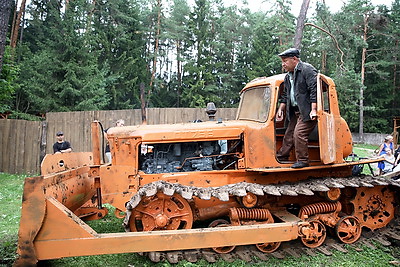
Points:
[(190, 156)]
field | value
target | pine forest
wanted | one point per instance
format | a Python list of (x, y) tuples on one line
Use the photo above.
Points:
[(74, 55)]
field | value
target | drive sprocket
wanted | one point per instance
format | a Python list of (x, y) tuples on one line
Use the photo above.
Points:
[(374, 206)]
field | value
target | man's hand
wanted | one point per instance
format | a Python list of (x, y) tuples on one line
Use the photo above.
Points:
[(313, 114), (279, 113)]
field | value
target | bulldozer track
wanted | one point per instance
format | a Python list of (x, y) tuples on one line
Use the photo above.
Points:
[(386, 236), (307, 187)]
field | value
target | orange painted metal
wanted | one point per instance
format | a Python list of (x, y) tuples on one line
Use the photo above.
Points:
[(164, 240), (221, 223), (48, 242), (333, 194), (96, 143), (374, 206), (32, 217), (161, 212), (315, 235), (90, 212), (54, 163), (348, 229)]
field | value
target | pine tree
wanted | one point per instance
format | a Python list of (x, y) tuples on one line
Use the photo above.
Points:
[(62, 75), (118, 36)]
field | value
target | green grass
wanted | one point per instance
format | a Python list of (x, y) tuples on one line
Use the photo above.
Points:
[(10, 203), (365, 150)]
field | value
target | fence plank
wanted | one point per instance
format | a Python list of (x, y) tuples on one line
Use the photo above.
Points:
[(6, 145), (19, 146), (43, 140)]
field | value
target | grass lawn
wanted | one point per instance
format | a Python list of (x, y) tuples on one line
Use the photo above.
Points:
[(10, 203)]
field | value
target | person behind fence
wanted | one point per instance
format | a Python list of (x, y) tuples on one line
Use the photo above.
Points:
[(118, 123), (299, 99), (61, 146), (387, 144)]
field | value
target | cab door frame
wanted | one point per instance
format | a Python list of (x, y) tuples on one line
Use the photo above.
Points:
[(326, 120)]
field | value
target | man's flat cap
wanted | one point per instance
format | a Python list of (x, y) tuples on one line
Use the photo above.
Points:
[(59, 133), (291, 52)]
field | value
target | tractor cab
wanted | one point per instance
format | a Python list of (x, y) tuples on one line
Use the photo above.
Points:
[(330, 141)]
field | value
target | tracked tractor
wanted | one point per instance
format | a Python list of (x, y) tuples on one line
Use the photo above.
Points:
[(196, 189)]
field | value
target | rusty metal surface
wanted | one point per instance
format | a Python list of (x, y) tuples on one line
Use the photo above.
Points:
[(307, 187), (96, 146), (374, 206), (72, 188), (80, 239), (316, 166), (33, 211), (162, 212), (387, 237), (160, 240), (54, 163)]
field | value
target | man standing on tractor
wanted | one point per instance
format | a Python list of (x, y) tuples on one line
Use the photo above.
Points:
[(299, 99)]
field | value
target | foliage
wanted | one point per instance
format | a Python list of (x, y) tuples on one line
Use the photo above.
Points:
[(73, 82), (95, 55), (117, 35), (8, 86)]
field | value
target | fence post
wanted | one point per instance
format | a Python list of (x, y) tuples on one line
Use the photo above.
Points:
[(43, 142)]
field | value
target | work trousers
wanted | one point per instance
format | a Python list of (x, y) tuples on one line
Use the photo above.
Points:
[(296, 136)]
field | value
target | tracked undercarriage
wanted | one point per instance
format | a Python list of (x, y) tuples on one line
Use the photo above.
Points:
[(337, 210), (388, 236)]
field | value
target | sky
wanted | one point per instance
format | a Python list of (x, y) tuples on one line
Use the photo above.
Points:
[(334, 5)]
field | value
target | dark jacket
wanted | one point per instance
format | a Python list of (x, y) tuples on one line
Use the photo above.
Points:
[(57, 147), (305, 80)]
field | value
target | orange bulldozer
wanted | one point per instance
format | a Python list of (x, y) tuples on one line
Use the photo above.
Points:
[(209, 186)]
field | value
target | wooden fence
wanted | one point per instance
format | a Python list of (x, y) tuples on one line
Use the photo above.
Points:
[(23, 141), (20, 146)]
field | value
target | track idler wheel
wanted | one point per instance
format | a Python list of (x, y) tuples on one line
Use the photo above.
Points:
[(221, 223), (161, 212), (268, 247), (315, 234), (333, 194), (348, 229)]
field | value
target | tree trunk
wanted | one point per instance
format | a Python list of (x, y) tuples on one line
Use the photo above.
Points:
[(323, 61), (394, 102), (143, 104), (300, 24), (156, 47), (5, 9), (179, 71), (363, 59), (15, 30)]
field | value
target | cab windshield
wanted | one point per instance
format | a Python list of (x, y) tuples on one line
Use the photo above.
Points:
[(255, 104)]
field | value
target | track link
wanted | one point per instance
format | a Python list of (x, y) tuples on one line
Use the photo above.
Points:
[(293, 248)]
